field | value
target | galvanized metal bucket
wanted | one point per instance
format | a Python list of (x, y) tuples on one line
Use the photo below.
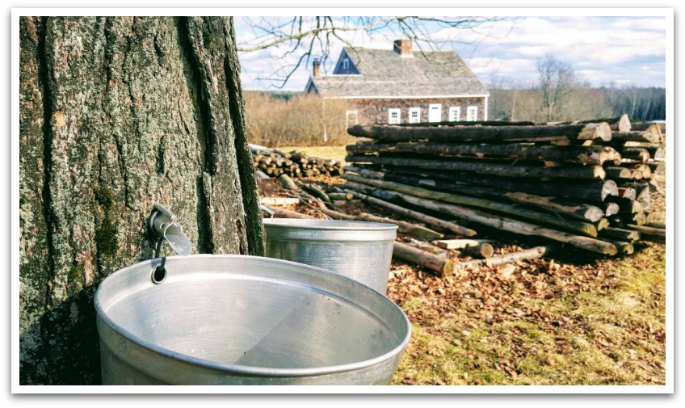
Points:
[(229, 319), (358, 250)]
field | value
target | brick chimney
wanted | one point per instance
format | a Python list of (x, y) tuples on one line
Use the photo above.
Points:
[(316, 68), (403, 47)]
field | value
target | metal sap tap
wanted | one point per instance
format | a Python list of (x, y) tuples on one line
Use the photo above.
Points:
[(163, 223)]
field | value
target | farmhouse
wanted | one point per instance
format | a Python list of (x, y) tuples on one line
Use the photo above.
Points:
[(402, 86)]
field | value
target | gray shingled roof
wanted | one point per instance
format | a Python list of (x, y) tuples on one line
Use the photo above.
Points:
[(386, 73)]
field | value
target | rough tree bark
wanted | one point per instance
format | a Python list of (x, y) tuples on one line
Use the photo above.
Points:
[(116, 113)]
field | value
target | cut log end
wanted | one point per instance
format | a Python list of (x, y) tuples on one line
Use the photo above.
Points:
[(592, 131), (593, 213), (624, 123), (609, 188), (482, 250), (611, 209)]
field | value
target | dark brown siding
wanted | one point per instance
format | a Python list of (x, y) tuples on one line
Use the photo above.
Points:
[(376, 110)]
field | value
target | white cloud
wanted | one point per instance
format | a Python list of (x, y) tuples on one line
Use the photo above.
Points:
[(601, 49)]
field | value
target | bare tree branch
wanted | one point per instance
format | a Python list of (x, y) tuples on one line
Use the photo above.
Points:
[(317, 35)]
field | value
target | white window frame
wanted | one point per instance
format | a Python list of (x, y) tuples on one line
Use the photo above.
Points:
[(433, 106), (351, 114), (345, 64), (472, 113), (394, 121), (414, 115), (454, 114)]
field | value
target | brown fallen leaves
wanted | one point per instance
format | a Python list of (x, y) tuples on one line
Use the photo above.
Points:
[(569, 319)]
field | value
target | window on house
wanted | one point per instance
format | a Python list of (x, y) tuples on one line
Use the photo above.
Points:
[(345, 64), (472, 113), (454, 114), (393, 116), (414, 115), (351, 118)]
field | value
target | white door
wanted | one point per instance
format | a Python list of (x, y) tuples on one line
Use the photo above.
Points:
[(435, 112), (472, 113)]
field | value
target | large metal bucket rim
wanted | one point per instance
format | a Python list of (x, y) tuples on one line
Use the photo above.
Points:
[(258, 371), (329, 225)]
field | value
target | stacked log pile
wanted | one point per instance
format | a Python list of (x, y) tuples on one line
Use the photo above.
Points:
[(273, 163), (585, 184)]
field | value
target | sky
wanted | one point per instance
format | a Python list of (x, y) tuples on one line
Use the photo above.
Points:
[(603, 51)]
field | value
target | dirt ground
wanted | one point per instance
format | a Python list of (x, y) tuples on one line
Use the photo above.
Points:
[(567, 319)]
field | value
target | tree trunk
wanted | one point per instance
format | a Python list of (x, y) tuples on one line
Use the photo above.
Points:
[(404, 228), (570, 154), (585, 190), (532, 253), (503, 223), (487, 168), (481, 134), (426, 219), (624, 248), (615, 172), (283, 213), (620, 234), (583, 212), (541, 217), (580, 211), (117, 113), (440, 265), (649, 136), (460, 243), (621, 123), (484, 250), (635, 153), (427, 247), (649, 233)]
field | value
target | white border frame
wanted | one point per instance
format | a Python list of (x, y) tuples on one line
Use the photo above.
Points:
[(668, 13)]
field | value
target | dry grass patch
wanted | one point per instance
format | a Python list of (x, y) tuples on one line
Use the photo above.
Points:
[(601, 323), (302, 120), (325, 152)]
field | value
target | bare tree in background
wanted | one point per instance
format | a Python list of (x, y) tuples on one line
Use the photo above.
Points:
[(557, 80), (315, 36)]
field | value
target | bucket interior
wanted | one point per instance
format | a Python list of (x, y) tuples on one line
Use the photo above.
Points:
[(253, 312)]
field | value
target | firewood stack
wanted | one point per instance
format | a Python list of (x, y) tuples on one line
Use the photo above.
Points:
[(274, 163), (585, 184)]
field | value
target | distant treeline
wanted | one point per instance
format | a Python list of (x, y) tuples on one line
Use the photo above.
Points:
[(639, 103), (578, 103)]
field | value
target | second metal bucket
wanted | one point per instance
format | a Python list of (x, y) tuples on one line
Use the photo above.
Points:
[(358, 250)]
